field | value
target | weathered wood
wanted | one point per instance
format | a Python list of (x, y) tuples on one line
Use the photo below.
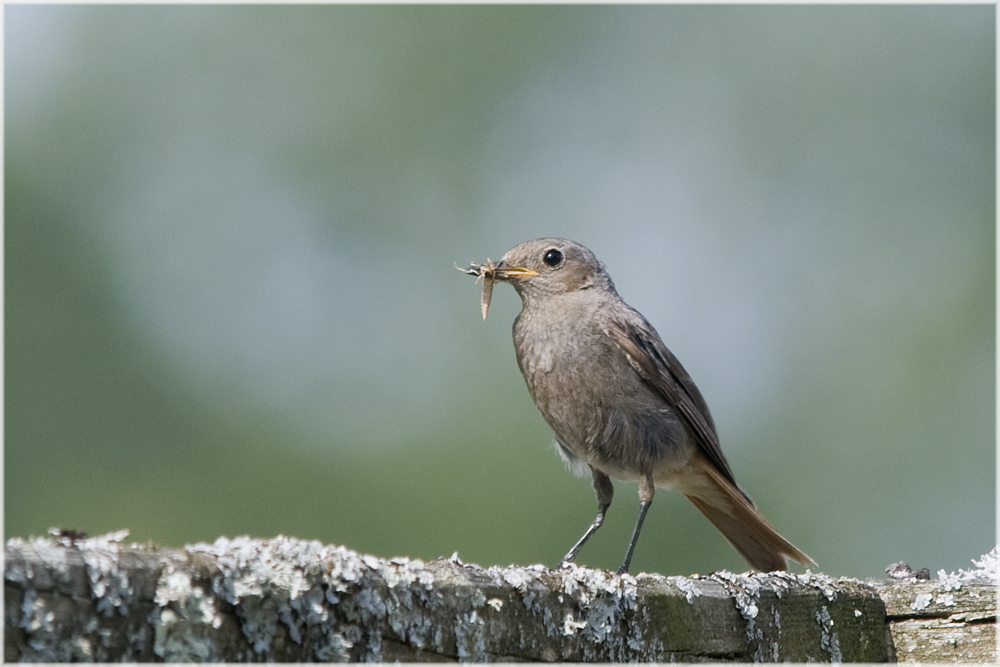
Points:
[(950, 619), (291, 600)]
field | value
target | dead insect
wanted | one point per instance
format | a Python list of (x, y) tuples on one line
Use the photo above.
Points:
[(68, 536), (488, 272)]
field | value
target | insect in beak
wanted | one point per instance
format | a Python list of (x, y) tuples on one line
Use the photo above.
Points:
[(491, 273)]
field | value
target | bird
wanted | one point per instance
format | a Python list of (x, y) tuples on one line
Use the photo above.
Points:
[(620, 403)]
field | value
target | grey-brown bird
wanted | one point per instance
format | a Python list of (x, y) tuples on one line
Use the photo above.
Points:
[(619, 401)]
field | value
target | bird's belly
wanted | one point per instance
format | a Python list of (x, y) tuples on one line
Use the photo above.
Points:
[(628, 439)]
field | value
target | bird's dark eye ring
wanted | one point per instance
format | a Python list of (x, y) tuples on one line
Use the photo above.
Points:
[(553, 257)]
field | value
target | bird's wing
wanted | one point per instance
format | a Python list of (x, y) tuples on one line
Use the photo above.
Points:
[(660, 368)]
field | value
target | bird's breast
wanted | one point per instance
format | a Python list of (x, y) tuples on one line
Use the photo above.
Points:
[(599, 407)]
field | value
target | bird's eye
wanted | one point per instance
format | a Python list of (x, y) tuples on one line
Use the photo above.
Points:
[(553, 257)]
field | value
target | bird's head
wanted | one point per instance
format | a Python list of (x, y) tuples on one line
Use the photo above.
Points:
[(548, 267)]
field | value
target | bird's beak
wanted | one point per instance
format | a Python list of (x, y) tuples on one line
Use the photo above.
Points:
[(504, 271), (490, 273)]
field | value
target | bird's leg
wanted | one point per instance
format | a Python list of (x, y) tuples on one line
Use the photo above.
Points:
[(605, 491), (646, 491)]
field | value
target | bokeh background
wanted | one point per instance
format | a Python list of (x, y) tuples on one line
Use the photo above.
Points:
[(231, 305)]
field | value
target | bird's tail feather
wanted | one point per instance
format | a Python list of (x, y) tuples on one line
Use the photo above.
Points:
[(731, 512)]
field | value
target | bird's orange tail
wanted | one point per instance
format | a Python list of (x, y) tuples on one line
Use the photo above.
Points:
[(738, 520)]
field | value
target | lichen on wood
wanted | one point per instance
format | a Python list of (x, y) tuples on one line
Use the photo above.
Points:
[(950, 619), (284, 599)]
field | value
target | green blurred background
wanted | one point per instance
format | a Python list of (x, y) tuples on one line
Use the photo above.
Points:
[(231, 304)]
